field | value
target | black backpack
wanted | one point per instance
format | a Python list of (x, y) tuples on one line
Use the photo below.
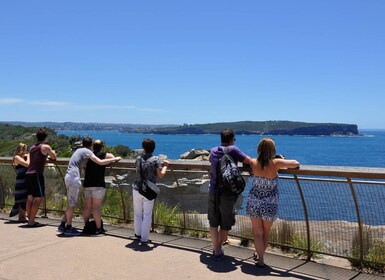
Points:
[(229, 178)]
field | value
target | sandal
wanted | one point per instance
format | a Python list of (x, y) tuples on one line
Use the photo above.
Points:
[(255, 257), (260, 264), (36, 224)]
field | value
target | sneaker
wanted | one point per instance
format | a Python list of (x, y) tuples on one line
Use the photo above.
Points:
[(138, 236), (100, 231), (219, 257), (60, 229), (145, 242), (222, 251), (71, 231)]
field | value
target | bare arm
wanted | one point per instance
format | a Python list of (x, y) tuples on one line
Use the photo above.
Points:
[(286, 163), (104, 161), (162, 171), (109, 155), (247, 160), (20, 160), (47, 150)]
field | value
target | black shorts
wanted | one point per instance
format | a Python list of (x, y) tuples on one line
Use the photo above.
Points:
[(221, 214), (35, 184)]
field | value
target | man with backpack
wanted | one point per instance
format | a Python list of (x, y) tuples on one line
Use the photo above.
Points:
[(222, 193)]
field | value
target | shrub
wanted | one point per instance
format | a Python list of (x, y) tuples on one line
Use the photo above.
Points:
[(299, 241), (167, 217)]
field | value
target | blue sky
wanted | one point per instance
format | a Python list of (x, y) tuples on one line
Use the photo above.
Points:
[(176, 62)]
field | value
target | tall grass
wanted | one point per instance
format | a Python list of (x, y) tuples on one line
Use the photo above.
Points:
[(373, 258), (167, 217)]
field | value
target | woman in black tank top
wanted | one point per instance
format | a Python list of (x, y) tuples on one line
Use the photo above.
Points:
[(21, 162), (95, 186)]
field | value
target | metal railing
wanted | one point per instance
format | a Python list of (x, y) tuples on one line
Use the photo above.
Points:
[(337, 211)]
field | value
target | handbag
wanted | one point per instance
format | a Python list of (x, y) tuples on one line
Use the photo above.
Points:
[(147, 188)]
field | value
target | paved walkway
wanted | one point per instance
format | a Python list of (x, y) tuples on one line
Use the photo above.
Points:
[(39, 253)]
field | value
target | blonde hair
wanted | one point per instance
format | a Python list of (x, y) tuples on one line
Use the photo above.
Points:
[(20, 149), (266, 151)]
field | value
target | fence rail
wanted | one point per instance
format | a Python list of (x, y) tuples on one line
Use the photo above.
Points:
[(331, 210)]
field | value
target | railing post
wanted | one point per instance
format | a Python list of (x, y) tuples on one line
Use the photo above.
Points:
[(181, 199), (61, 174), (2, 196), (309, 253), (121, 193), (45, 209), (360, 229)]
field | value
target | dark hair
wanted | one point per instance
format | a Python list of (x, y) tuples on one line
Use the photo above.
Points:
[(97, 146), (227, 135), (266, 151), (148, 145), (41, 134), (87, 142)]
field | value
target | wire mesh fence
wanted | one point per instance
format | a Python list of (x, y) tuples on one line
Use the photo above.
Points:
[(322, 210)]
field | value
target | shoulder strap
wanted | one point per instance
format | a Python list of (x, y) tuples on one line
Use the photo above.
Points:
[(141, 169)]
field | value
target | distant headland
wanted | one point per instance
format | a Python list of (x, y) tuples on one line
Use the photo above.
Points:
[(240, 127)]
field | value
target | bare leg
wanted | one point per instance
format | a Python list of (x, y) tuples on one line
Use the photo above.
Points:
[(261, 230), (214, 235), (258, 237), (266, 232), (218, 236), (87, 209), (64, 219), (22, 216), (34, 209), (69, 214), (222, 237), (96, 211), (29, 205)]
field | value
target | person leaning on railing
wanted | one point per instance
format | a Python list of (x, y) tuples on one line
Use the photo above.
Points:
[(95, 186), (262, 200), (73, 182), (34, 177), (221, 207), (148, 167)]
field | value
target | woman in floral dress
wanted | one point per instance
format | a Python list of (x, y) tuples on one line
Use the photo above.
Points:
[(262, 200)]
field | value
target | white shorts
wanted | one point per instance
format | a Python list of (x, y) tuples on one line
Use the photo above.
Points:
[(73, 185), (94, 192)]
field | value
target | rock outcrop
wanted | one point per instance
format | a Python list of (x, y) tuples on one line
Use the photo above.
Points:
[(196, 154)]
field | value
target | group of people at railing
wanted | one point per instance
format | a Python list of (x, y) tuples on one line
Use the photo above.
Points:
[(262, 199)]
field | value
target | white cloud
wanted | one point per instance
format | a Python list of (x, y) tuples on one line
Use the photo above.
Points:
[(115, 107), (74, 106), (50, 103), (10, 101)]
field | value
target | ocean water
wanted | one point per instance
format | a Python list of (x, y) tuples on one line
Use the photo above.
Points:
[(362, 151)]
